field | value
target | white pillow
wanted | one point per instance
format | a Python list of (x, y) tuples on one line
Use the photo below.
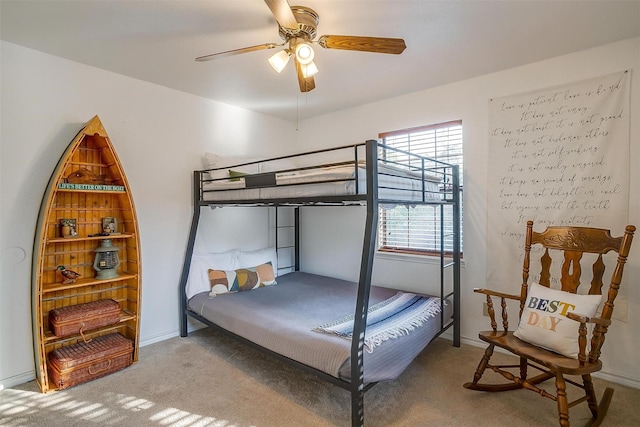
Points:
[(544, 323), (247, 259), (214, 161), (198, 280), (278, 165)]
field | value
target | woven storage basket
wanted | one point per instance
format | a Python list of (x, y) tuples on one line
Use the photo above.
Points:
[(85, 361), (75, 319)]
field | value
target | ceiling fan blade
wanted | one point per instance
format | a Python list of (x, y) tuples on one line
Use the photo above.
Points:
[(363, 44), (283, 14), (306, 84), (236, 51)]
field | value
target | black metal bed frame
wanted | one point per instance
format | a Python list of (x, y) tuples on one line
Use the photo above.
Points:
[(357, 387)]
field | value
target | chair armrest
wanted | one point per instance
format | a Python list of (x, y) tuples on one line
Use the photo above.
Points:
[(503, 304), (489, 292), (585, 319), (596, 340)]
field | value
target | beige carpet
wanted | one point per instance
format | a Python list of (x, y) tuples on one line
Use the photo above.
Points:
[(210, 380)]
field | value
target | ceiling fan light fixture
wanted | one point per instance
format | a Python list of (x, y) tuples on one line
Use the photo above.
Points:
[(297, 26), (304, 53), (309, 70), (279, 60)]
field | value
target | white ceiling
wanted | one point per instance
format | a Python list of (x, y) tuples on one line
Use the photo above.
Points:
[(447, 41)]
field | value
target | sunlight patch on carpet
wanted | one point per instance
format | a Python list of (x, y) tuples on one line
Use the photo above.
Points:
[(18, 406), (177, 418)]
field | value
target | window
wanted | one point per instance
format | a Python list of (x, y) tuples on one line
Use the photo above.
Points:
[(417, 229)]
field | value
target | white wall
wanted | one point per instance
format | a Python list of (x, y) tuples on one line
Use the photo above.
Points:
[(160, 136), (339, 250)]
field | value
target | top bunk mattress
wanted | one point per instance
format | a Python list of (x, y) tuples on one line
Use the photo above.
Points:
[(394, 183), (282, 317)]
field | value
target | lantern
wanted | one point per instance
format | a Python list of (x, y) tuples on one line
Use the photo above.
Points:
[(107, 261)]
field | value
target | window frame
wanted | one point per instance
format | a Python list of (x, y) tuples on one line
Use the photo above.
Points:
[(417, 252)]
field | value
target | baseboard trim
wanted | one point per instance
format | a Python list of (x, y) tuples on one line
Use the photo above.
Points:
[(158, 338), (192, 325), (618, 379), (17, 379)]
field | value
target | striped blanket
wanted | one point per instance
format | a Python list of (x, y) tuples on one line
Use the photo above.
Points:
[(388, 319)]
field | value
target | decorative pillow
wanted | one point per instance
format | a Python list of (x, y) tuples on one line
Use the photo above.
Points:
[(242, 279), (544, 322)]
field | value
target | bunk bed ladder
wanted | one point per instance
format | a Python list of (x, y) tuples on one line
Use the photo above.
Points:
[(455, 170), (455, 248), (189, 253), (364, 287), (296, 238)]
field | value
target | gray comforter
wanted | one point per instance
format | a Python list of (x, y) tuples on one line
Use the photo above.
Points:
[(281, 318)]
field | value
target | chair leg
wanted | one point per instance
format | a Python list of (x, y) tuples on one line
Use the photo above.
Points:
[(523, 369), (481, 367), (514, 385), (603, 407), (563, 403), (483, 363), (592, 400)]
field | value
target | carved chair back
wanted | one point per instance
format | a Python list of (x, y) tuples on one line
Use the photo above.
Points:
[(572, 243)]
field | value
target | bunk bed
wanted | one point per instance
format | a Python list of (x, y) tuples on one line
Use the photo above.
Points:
[(368, 174)]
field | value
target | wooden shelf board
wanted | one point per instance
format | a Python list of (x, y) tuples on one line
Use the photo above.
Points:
[(54, 287), (100, 165), (82, 239)]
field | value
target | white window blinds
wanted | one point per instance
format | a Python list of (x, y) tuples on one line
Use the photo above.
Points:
[(418, 229)]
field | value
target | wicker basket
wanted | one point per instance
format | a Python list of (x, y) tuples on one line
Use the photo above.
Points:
[(75, 319), (85, 361)]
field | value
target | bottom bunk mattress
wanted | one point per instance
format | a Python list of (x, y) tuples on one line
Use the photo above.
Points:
[(282, 318)]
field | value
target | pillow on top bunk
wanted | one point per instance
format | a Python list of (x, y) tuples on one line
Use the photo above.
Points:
[(278, 165), (544, 323), (214, 161), (242, 279), (235, 175), (198, 280)]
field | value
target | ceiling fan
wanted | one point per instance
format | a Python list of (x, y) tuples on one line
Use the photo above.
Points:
[(297, 26)]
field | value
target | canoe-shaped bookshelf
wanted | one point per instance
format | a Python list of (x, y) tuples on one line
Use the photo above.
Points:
[(86, 207)]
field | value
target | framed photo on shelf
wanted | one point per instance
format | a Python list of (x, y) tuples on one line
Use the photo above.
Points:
[(68, 227), (110, 225)]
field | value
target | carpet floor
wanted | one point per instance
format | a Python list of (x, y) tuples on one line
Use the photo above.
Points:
[(208, 379)]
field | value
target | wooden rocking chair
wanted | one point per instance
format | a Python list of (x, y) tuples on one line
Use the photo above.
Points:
[(573, 242)]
